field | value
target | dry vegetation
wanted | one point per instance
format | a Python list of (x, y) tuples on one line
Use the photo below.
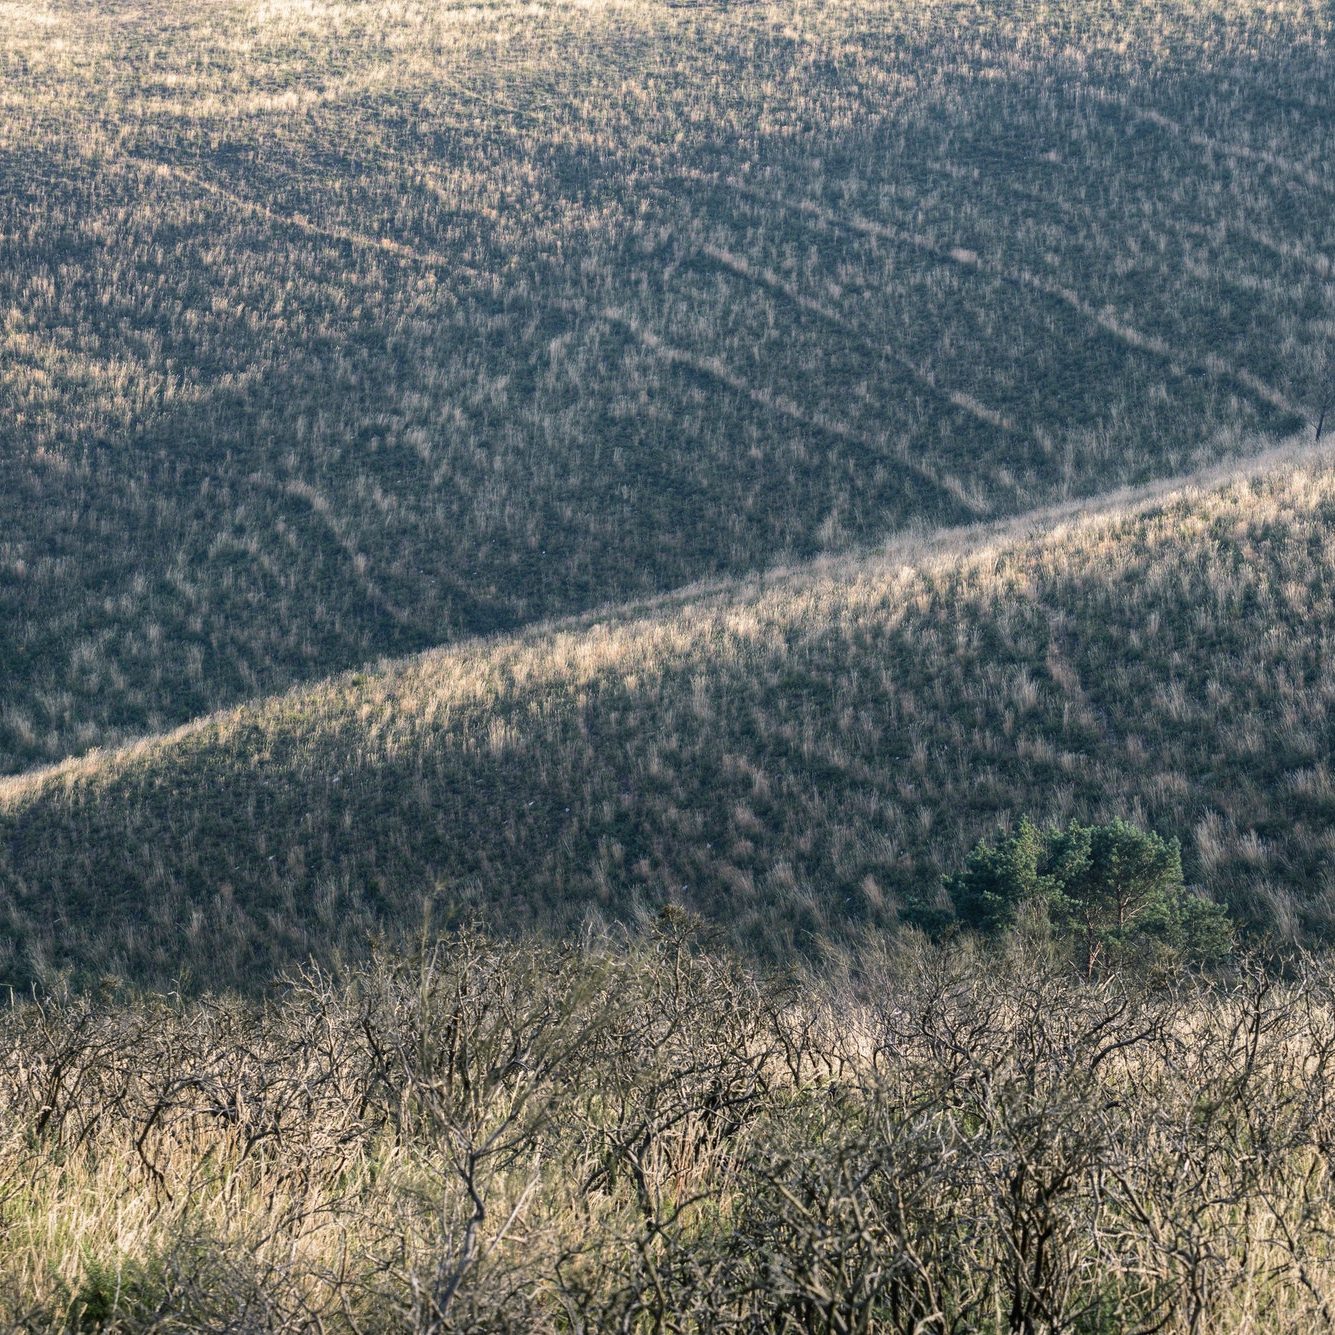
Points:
[(798, 757), (645, 1138), (331, 329), (634, 359)]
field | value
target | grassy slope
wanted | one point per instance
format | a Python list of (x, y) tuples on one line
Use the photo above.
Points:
[(331, 330), (793, 755)]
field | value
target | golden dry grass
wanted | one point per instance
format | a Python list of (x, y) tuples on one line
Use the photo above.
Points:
[(641, 1136)]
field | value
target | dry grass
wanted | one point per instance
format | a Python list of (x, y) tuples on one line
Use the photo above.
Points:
[(377, 326), (799, 757), (645, 1137)]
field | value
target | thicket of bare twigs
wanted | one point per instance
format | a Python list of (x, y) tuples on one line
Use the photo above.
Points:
[(645, 1137)]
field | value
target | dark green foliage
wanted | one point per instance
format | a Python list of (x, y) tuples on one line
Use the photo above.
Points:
[(1111, 891), (1001, 878), (1109, 882)]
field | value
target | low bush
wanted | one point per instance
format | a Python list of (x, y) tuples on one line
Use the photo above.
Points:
[(643, 1135)]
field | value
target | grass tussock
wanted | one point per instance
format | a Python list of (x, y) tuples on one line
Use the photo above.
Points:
[(798, 757), (646, 1136)]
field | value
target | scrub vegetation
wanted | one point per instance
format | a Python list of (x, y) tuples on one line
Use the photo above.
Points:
[(641, 1136), (665, 666)]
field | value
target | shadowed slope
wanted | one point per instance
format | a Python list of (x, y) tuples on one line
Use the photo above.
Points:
[(337, 330), (796, 756)]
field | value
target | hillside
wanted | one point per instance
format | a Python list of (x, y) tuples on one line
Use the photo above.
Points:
[(797, 756), (331, 330)]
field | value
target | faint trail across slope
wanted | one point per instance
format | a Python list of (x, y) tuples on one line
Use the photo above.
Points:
[(920, 550), (377, 245), (923, 375), (784, 407), (1209, 363), (1224, 147)]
